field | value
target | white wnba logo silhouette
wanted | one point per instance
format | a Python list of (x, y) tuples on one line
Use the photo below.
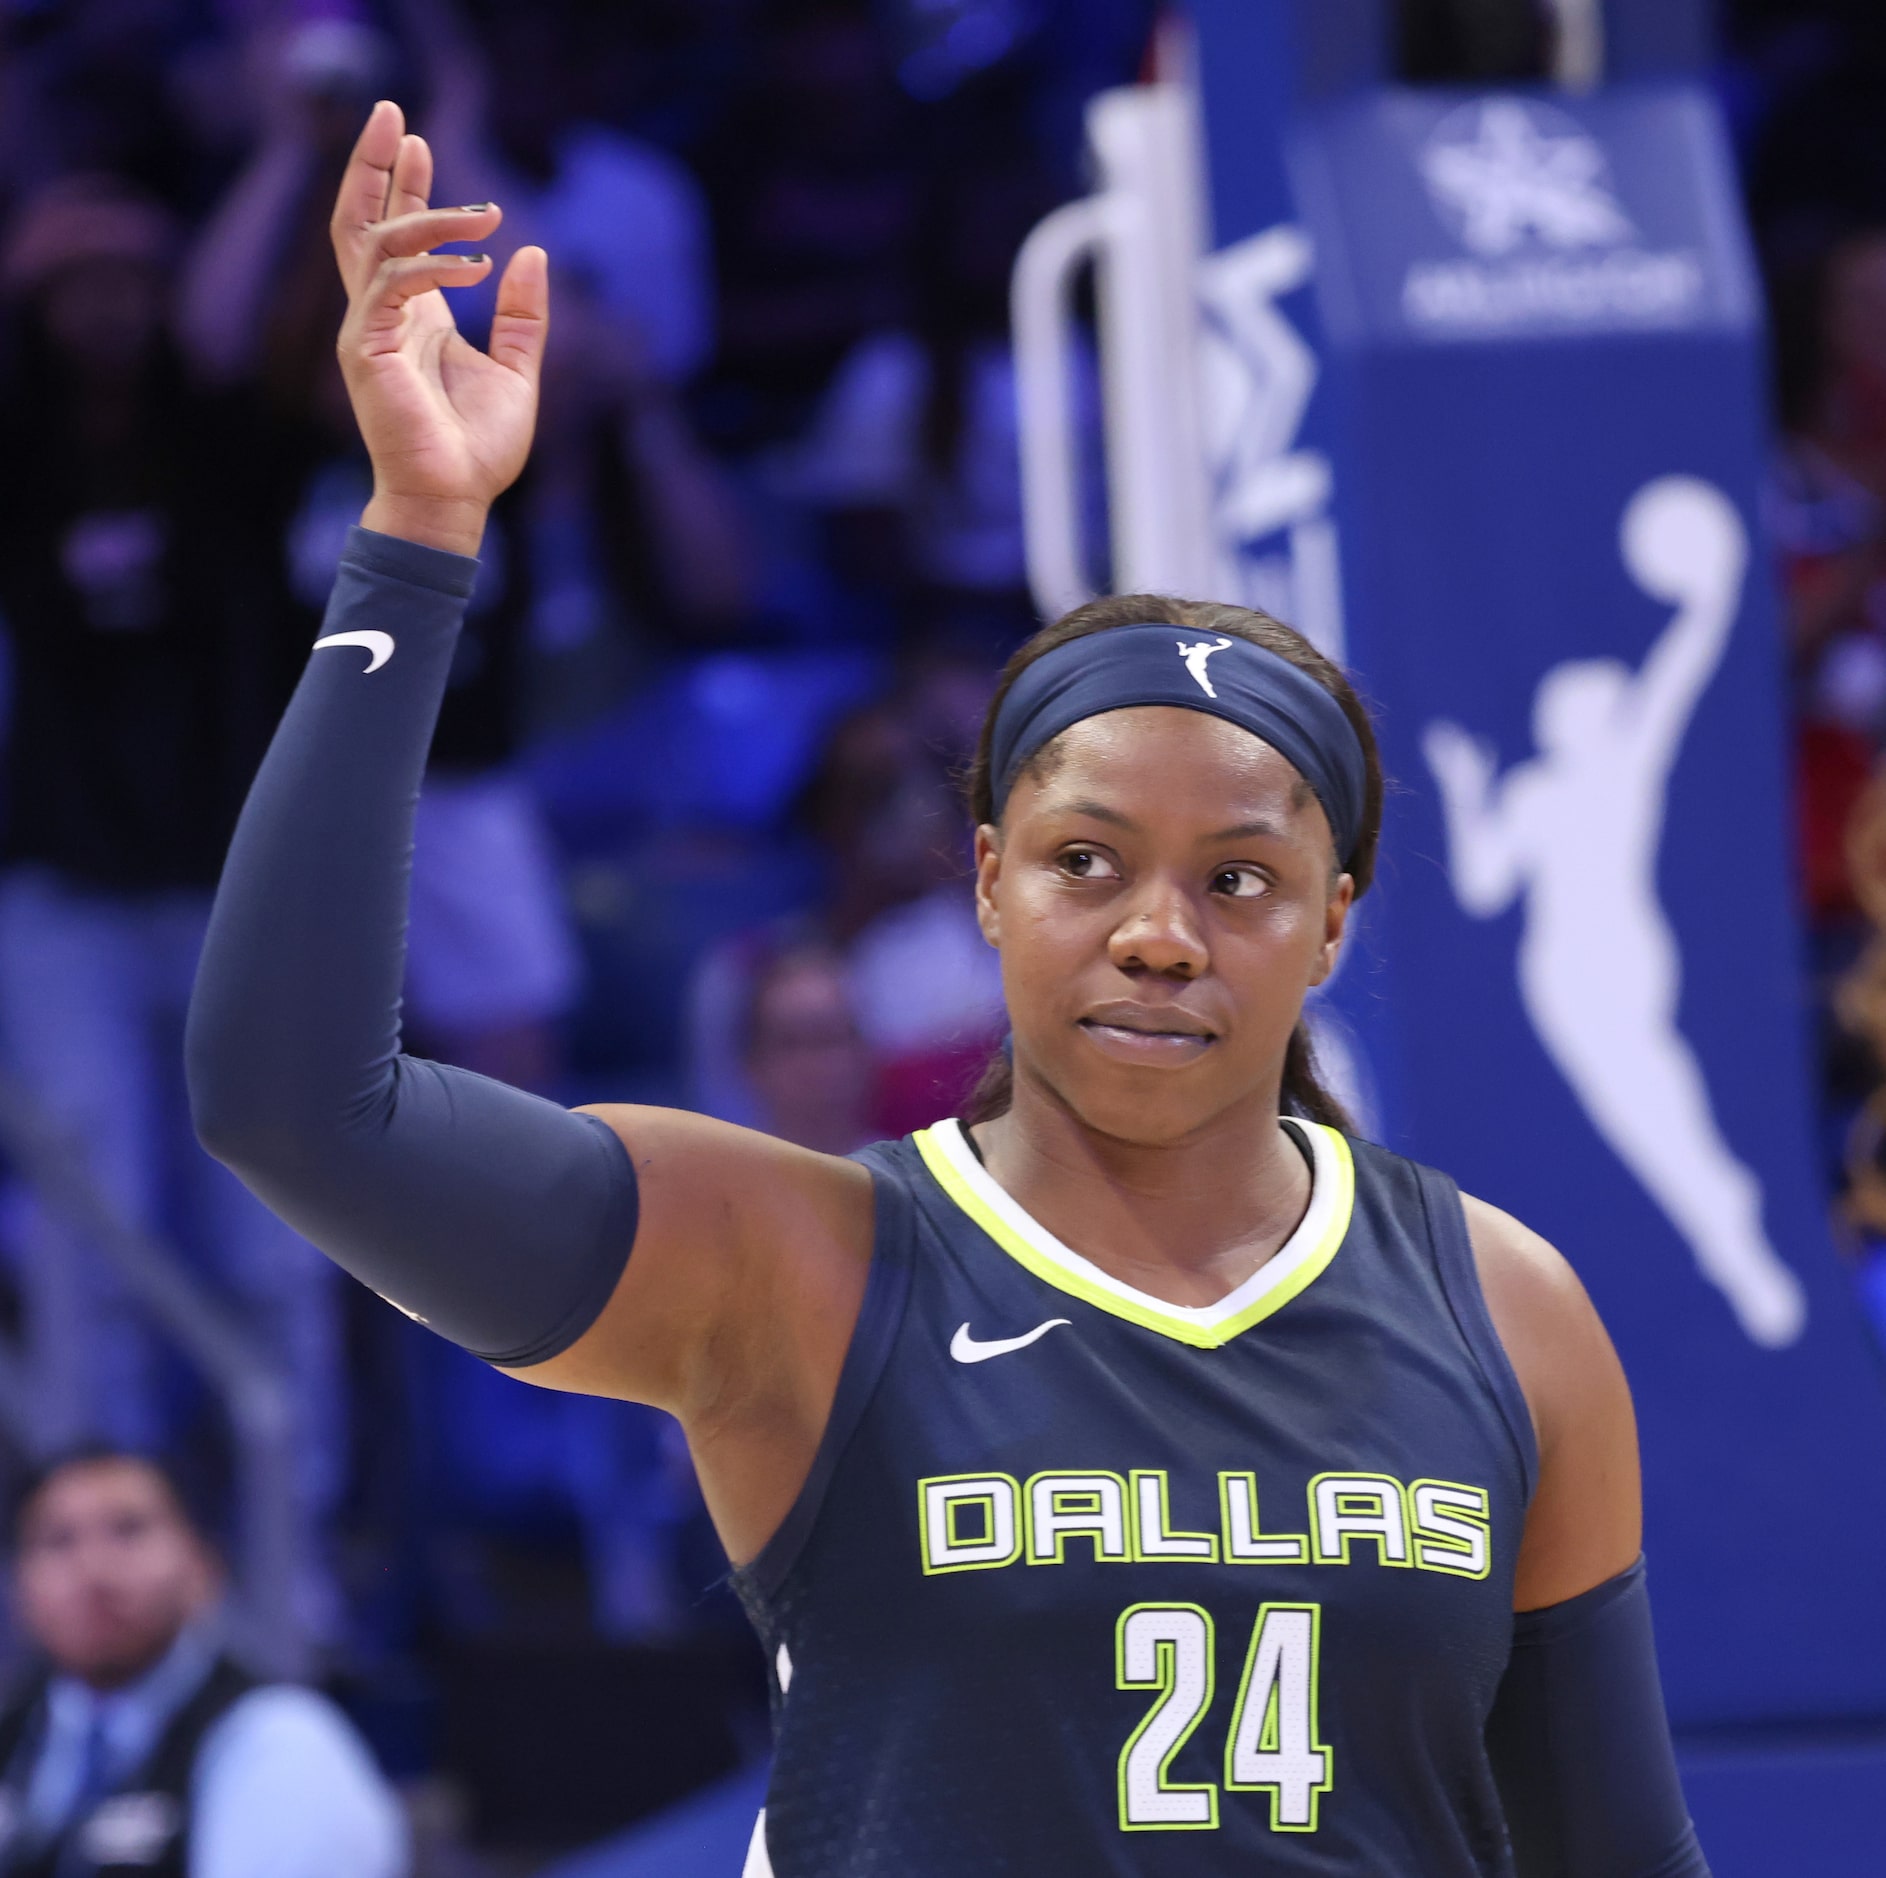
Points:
[(1195, 657), (1576, 829)]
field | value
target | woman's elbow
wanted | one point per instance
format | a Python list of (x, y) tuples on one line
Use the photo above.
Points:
[(236, 1108), (274, 1110), (227, 1128)]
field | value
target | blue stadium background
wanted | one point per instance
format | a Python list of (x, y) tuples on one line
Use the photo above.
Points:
[(692, 833)]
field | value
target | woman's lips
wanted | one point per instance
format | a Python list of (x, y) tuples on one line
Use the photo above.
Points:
[(1155, 1048)]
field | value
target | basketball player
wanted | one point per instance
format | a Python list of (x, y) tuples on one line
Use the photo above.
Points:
[(1141, 1477)]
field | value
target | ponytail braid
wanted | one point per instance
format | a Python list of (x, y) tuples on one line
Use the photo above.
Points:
[(1303, 1090)]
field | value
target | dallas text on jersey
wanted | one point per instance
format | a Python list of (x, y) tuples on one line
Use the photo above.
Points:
[(981, 1522)]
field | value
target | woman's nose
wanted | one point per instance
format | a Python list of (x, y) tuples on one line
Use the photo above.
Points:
[(1161, 933)]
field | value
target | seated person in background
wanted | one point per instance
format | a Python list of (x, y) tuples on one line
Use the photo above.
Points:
[(806, 1058), (139, 1742), (924, 985)]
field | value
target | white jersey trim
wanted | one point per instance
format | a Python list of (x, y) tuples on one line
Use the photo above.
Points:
[(1294, 1265)]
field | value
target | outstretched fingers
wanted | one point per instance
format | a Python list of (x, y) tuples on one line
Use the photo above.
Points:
[(403, 278), (521, 324), (429, 228), (411, 187), (366, 185)]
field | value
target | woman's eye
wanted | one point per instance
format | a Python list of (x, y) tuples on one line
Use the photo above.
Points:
[(1088, 864), (1239, 883)]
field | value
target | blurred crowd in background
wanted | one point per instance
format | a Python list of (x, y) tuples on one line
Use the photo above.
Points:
[(691, 831), (1804, 100)]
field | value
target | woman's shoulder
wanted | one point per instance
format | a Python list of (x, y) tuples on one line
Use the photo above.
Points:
[(1554, 1338), (1524, 1276), (1529, 1283)]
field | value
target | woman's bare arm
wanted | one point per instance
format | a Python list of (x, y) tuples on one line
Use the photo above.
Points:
[(1586, 1520)]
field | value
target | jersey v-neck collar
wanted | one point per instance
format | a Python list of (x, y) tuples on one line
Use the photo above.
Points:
[(1296, 1264)]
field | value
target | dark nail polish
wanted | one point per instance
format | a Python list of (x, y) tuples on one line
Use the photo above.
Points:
[(472, 208), (473, 260)]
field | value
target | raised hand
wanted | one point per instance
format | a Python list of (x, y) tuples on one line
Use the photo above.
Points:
[(448, 427)]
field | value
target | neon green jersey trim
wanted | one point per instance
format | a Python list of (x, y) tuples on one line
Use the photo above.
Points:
[(1030, 1251)]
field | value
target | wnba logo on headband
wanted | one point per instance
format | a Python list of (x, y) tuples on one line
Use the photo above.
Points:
[(1249, 685), (1195, 657)]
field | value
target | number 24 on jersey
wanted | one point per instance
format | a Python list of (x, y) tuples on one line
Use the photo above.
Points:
[(1273, 1742)]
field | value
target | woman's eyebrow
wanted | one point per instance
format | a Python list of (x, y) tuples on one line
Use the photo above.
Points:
[(1241, 831), (1099, 812), (1238, 831)]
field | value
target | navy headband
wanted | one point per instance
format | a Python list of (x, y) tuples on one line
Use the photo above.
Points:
[(1243, 683)]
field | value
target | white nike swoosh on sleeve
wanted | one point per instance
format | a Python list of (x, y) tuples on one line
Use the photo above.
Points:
[(379, 645), (966, 1349)]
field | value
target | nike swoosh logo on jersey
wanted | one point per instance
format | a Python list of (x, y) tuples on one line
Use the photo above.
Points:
[(966, 1349), (379, 645)]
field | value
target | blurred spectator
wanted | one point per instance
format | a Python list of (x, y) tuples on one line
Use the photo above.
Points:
[(125, 86), (315, 85), (624, 523), (513, 119), (913, 453), (1826, 513), (805, 1056), (630, 523), (1826, 507), (683, 68), (1826, 529), (1806, 93), (926, 983), (925, 987), (1860, 1005), (1846, 409), (815, 183), (152, 647), (141, 1743), (632, 1482)]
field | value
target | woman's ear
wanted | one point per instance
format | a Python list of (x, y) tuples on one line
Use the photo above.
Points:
[(988, 875), (1342, 896)]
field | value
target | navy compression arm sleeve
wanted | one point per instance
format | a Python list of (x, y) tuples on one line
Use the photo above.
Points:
[(499, 1219), (1581, 1748)]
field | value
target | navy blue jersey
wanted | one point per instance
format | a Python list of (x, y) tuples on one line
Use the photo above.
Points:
[(1087, 1583)]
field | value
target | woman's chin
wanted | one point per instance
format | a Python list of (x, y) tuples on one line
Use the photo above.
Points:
[(1150, 1108)]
